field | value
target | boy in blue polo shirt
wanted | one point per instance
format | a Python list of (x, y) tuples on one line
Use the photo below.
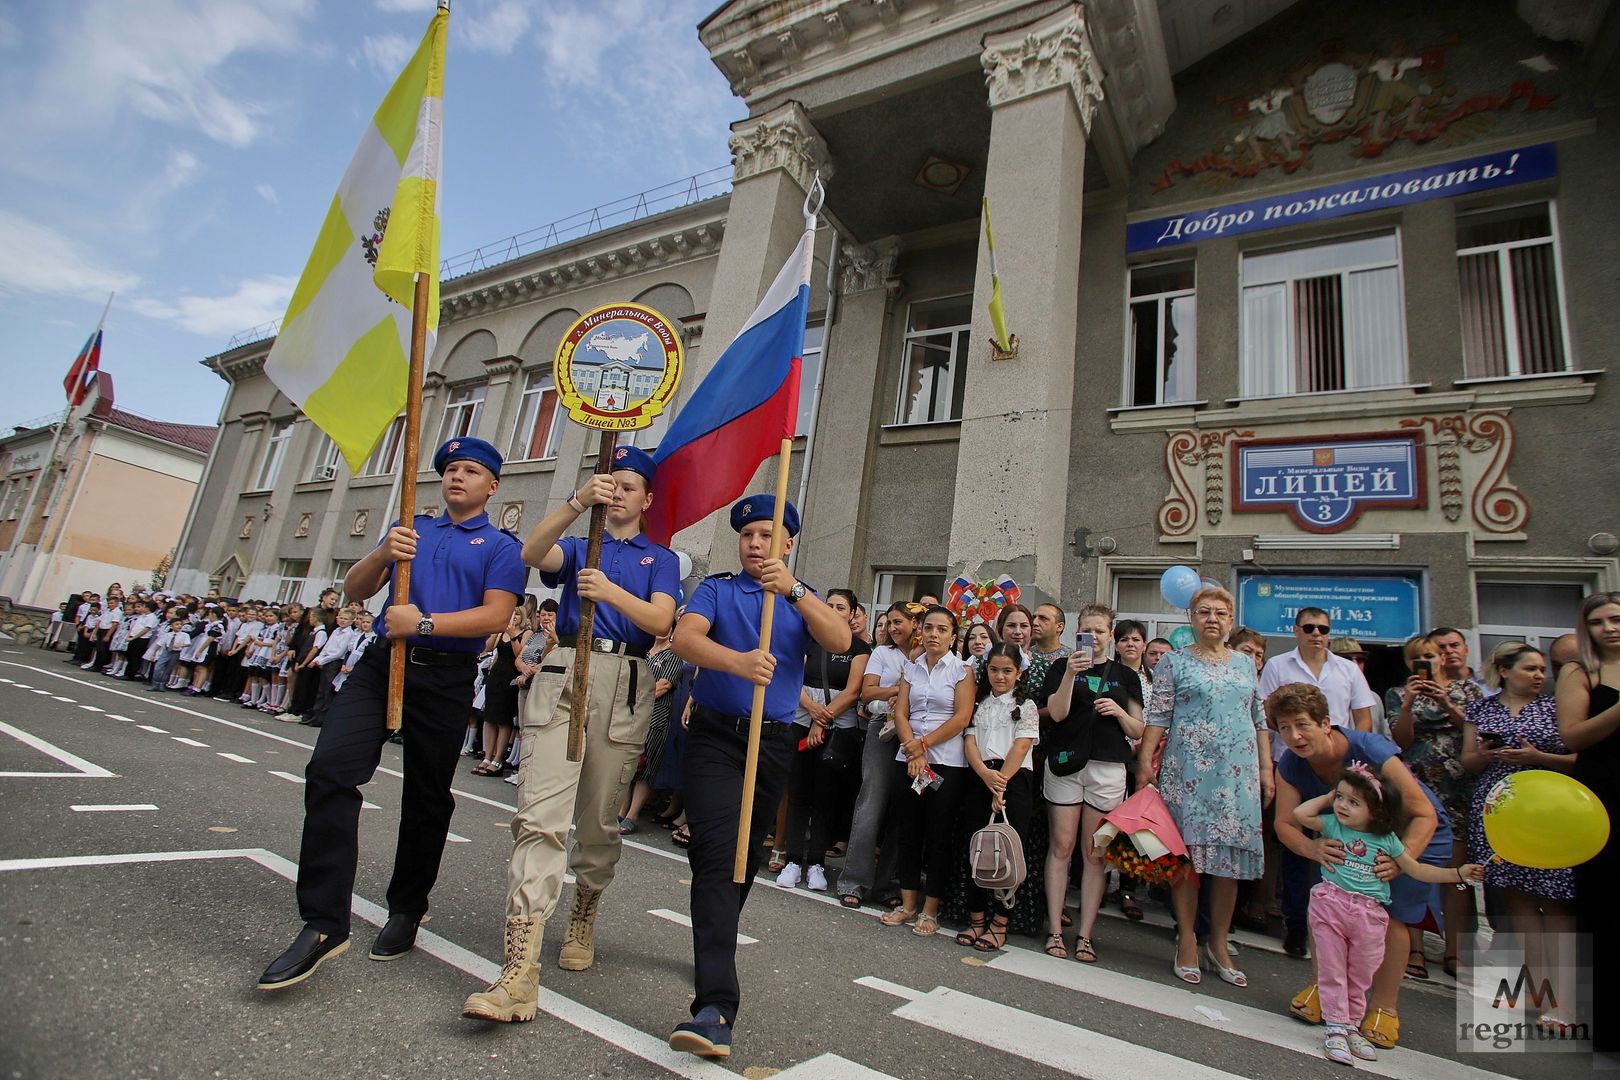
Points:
[(467, 576), (719, 634)]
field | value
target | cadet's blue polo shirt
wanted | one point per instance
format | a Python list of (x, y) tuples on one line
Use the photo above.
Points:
[(455, 564), (734, 604), (637, 565)]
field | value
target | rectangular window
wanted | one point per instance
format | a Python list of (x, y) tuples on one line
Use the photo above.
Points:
[(907, 585), (1507, 275), (340, 570), (323, 463), (1138, 598), (539, 419), (1161, 359), (384, 460), (808, 373), (275, 450), (935, 361), (461, 411), (1323, 317), (648, 437), (1533, 611), (294, 574)]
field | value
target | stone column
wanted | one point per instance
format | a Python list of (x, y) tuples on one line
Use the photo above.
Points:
[(433, 384), (495, 422), (774, 156), (222, 538), (1012, 477)]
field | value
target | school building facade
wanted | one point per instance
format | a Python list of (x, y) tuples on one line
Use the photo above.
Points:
[(1316, 299)]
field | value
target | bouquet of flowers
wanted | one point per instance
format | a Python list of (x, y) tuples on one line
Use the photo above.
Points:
[(1140, 839)]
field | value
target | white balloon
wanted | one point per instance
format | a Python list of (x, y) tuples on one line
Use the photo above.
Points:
[(685, 562)]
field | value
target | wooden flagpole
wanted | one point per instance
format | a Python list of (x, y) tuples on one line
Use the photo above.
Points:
[(407, 489), (756, 714), (581, 706)]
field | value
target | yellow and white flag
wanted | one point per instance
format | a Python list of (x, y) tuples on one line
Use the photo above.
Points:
[(998, 316), (343, 351)]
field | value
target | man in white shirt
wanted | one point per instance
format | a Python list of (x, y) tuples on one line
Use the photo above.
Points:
[(329, 661), (1350, 700)]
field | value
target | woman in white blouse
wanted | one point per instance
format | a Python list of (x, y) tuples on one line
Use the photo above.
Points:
[(930, 714), (997, 746)]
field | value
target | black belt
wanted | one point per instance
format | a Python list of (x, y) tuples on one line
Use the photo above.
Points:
[(738, 725), (605, 645), (425, 657)]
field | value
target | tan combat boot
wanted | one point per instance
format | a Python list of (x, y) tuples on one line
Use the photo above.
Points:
[(579, 947), (515, 995)]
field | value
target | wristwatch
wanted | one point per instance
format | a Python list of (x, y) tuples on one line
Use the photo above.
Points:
[(425, 627), (795, 594)]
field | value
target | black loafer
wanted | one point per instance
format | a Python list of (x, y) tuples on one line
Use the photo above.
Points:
[(301, 959), (396, 938)]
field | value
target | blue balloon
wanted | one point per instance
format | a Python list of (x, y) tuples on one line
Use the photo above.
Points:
[(1178, 584)]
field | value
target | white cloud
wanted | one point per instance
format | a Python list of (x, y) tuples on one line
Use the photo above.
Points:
[(386, 54), (181, 167), (41, 260), (267, 193), (494, 28), (398, 6), (255, 301)]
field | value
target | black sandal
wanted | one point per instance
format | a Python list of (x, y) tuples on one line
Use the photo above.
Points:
[(1083, 951), (975, 930), (1128, 905), (994, 938), (1418, 970), (681, 836), (850, 900)]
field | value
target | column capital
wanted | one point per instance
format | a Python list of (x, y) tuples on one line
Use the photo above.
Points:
[(434, 380), (863, 267), (780, 139), (1054, 53), (502, 366), (253, 421)]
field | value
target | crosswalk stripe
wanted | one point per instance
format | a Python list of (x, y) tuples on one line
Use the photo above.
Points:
[(456, 838), (91, 708), (1244, 1021), (294, 777), (830, 1067), (115, 716), (238, 758), (1043, 1040), (91, 808), (686, 920), (153, 730), (188, 742)]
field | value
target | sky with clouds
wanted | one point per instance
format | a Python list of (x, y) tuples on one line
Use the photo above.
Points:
[(183, 153)]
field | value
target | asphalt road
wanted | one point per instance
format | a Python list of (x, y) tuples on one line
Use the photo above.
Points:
[(145, 881)]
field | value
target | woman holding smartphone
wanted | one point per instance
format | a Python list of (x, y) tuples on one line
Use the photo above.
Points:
[(1427, 715)]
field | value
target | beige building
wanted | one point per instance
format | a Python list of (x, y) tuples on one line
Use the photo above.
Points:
[(110, 510), (1312, 298)]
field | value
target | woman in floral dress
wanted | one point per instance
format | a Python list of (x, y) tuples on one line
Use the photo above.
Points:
[(1216, 776), (1426, 722)]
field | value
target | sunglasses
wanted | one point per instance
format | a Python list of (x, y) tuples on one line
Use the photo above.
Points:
[(1315, 628)]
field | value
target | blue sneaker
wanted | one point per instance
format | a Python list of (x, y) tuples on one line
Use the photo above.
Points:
[(707, 1034)]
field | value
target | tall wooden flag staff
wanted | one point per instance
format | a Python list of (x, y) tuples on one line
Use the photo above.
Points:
[(355, 337), (617, 369), (744, 411)]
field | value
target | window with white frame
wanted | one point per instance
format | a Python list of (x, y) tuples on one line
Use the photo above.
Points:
[(809, 371), (340, 570), (1161, 356), (1518, 610), (1139, 598), (461, 411), (1508, 281), (934, 369), (539, 419), (323, 463), (294, 574), (1323, 317), (384, 459), (893, 585), (275, 451)]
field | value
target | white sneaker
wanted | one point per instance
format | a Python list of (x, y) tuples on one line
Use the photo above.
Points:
[(514, 780), (789, 877), (817, 879)]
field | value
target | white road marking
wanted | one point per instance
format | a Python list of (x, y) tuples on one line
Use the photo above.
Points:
[(872, 982), (238, 758), (92, 808), (364, 805), (47, 693), (72, 761), (1037, 1038), (1273, 1028), (831, 1067), (115, 716), (294, 777), (153, 730), (188, 742), (55, 697), (686, 920), (91, 708), (456, 838)]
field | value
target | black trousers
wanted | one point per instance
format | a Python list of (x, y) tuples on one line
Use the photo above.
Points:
[(437, 701), (816, 783), (716, 750), (974, 812), (323, 693), (925, 824)]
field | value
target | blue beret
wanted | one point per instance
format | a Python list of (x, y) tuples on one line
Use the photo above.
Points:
[(763, 508), (636, 460), (467, 448)]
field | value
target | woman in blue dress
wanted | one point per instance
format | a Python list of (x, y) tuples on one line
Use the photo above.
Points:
[(1215, 777)]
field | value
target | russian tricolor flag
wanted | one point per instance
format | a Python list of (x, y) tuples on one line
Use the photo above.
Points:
[(743, 409), (83, 371)]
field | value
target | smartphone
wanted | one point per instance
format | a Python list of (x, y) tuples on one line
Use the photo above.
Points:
[(1491, 742), (1086, 645), (1423, 669)]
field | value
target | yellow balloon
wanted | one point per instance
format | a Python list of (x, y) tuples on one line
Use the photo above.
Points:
[(1545, 820)]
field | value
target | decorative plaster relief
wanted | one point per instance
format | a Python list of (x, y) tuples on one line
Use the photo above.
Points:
[(780, 139), (1053, 53), (1498, 506)]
